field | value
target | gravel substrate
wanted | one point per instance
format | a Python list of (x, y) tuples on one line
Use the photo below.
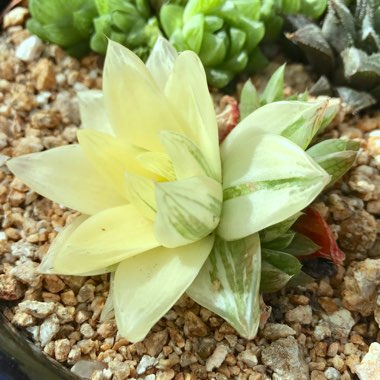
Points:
[(325, 330)]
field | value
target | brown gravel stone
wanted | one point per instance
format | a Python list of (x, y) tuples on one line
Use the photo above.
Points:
[(194, 326), (155, 342), (53, 283), (68, 298), (10, 288)]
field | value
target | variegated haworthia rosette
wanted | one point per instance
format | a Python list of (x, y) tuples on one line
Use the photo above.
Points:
[(147, 178)]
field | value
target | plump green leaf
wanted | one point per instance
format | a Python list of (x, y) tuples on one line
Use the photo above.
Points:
[(193, 32), (171, 18), (187, 210), (228, 283), (313, 8)]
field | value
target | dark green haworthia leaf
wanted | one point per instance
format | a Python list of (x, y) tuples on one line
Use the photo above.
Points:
[(335, 156), (316, 48), (228, 283), (249, 100), (281, 242), (357, 100), (301, 245), (274, 90), (346, 48), (277, 230), (277, 268), (360, 68)]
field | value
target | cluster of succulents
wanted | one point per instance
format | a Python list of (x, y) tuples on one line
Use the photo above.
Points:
[(129, 22), (345, 49), (68, 24), (173, 210), (224, 33)]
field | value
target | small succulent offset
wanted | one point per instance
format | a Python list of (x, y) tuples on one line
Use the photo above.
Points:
[(68, 24), (346, 48), (164, 208), (224, 33), (129, 22)]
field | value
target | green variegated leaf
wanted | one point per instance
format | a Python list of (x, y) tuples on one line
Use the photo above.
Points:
[(274, 90), (297, 121), (187, 210), (228, 283), (277, 230), (277, 268), (188, 160), (333, 107), (301, 245), (261, 189), (249, 100), (335, 156), (141, 193)]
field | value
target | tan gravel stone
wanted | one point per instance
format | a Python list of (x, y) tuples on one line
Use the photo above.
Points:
[(300, 314)]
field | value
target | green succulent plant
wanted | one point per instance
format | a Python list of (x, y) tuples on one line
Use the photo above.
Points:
[(346, 49), (65, 23), (224, 33), (273, 12), (129, 22)]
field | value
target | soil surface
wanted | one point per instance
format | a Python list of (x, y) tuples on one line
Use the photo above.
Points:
[(327, 329)]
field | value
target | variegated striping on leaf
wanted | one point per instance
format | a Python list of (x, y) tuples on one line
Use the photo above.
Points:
[(187, 210), (228, 283), (188, 160)]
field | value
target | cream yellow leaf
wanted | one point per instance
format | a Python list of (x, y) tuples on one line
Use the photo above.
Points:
[(92, 111), (104, 239), (148, 285), (111, 157), (137, 109), (141, 193), (47, 263), (159, 163), (161, 61), (66, 176), (187, 90)]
